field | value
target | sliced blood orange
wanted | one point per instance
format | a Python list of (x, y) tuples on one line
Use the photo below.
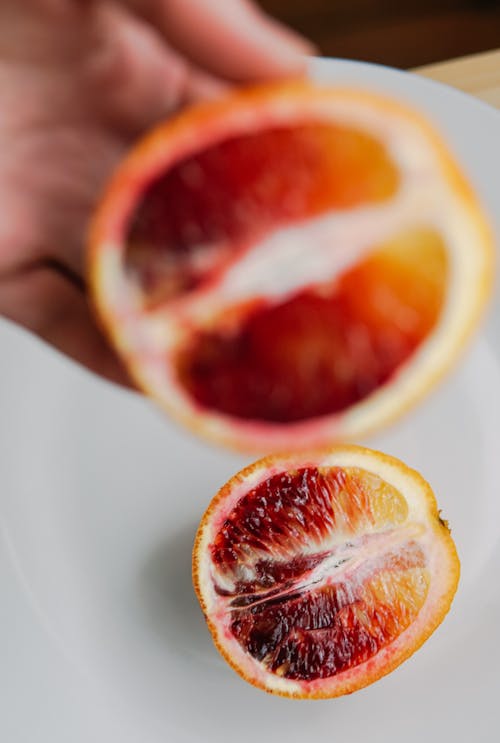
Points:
[(319, 573), (289, 265)]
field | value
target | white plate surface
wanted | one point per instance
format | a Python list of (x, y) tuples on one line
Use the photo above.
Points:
[(101, 638)]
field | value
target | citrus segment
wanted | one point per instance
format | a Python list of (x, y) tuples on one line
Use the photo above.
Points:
[(323, 350), (290, 265), (320, 573), (330, 629), (195, 217)]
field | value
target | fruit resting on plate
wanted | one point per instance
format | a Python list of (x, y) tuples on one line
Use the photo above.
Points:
[(289, 265), (320, 573)]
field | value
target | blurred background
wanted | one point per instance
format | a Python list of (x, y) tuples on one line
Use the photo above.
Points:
[(402, 34)]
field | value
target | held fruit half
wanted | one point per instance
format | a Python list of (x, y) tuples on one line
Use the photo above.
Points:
[(289, 265), (319, 573)]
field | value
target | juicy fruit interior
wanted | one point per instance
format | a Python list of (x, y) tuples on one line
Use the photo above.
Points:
[(320, 349), (318, 570)]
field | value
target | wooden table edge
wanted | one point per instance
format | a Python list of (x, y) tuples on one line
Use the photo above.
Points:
[(478, 74)]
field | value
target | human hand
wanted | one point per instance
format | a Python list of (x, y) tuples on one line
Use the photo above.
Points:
[(79, 81)]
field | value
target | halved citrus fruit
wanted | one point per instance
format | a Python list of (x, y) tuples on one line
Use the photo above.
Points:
[(319, 573), (289, 265)]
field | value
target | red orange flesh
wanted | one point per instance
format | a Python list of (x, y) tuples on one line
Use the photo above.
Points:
[(290, 265), (240, 189), (322, 351), (318, 577)]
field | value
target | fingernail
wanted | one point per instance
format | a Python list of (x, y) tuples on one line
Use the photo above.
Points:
[(299, 44), (289, 47)]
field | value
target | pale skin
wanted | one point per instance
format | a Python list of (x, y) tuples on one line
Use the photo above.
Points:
[(80, 80)]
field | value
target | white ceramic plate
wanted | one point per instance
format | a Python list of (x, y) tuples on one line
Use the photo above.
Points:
[(101, 638)]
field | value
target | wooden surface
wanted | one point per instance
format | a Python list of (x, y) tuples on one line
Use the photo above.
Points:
[(478, 75)]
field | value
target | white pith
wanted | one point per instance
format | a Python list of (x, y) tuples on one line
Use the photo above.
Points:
[(418, 526), (289, 258), (345, 556)]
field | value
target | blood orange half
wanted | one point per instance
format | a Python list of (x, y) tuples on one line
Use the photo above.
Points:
[(289, 265), (319, 573)]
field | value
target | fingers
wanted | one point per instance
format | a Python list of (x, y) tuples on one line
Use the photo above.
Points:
[(48, 304), (230, 39), (172, 52), (137, 77)]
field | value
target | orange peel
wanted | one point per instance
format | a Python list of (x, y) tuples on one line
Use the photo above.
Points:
[(290, 265), (319, 573)]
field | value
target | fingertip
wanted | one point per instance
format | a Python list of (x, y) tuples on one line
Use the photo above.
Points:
[(293, 44), (232, 40), (283, 52)]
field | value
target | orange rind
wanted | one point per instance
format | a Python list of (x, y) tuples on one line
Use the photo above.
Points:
[(290, 265), (319, 573)]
